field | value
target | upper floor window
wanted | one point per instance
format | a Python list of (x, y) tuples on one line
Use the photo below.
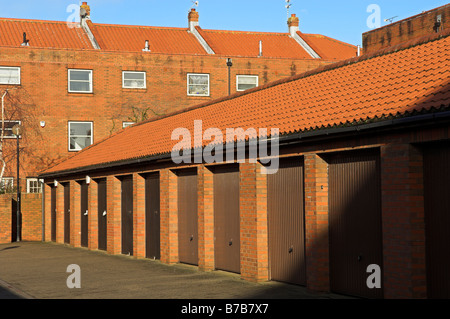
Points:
[(198, 84), (6, 185), (9, 75), (80, 135), (8, 132), (245, 82), (134, 80), (80, 81), (34, 185)]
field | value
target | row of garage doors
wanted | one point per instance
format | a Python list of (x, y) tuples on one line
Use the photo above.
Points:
[(355, 230)]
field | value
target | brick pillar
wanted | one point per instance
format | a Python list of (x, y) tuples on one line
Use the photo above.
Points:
[(75, 214), (47, 212), (169, 217), (316, 223), (93, 215), (205, 219), (403, 222), (138, 216), (114, 215), (253, 216), (60, 214)]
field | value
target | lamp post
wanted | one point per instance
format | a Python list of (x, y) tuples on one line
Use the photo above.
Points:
[(17, 131)]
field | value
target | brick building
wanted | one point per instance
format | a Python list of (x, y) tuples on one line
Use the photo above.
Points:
[(71, 84), (364, 167)]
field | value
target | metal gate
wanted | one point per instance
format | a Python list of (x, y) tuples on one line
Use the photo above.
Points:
[(152, 216), (84, 214), (127, 215), (53, 214), (227, 218), (102, 215), (187, 217), (354, 221), (285, 205), (67, 213), (437, 219)]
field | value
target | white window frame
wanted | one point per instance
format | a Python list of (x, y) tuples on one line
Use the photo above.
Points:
[(91, 80), (188, 85), (12, 136), (12, 67), (126, 124), (247, 76), (39, 187), (130, 87), (3, 182), (69, 136)]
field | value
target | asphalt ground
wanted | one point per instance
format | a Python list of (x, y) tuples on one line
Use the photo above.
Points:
[(36, 270)]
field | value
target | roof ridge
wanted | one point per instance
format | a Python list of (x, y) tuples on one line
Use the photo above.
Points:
[(34, 20), (138, 26)]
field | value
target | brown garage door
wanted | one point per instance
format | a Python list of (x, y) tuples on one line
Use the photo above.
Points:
[(102, 215), (187, 217), (227, 218), (53, 215), (84, 214), (67, 213), (285, 205), (354, 221), (127, 215), (152, 216), (437, 219)]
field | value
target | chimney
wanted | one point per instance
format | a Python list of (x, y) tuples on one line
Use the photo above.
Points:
[(293, 23), (85, 11), (193, 19)]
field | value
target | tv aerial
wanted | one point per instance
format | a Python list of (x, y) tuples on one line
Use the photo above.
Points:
[(390, 20), (288, 7), (195, 4)]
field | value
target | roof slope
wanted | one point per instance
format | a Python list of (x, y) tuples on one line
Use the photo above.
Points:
[(132, 38), (329, 48), (43, 34), (393, 83)]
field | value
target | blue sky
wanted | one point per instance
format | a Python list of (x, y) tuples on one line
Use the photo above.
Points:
[(344, 20)]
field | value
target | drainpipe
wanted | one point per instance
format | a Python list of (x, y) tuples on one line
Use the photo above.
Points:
[(43, 210), (229, 64)]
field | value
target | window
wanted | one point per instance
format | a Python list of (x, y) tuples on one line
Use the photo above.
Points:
[(245, 82), (8, 128), (126, 124), (34, 185), (80, 81), (198, 84), (9, 75), (134, 80), (80, 135), (6, 185)]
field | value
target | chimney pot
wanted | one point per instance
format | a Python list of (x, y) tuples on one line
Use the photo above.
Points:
[(87, 9), (293, 24), (193, 19)]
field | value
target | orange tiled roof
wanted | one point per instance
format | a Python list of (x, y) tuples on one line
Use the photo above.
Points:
[(240, 43), (132, 38), (43, 34), (328, 48), (371, 87)]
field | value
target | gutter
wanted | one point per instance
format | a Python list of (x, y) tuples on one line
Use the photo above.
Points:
[(294, 138)]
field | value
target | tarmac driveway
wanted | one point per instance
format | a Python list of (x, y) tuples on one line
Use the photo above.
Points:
[(39, 270)]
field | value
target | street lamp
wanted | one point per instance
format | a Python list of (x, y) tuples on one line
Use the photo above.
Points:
[(17, 131)]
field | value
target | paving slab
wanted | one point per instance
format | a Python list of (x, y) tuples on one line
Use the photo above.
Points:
[(40, 270)]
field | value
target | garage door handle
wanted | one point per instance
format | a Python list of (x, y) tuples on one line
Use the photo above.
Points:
[(191, 238), (359, 258), (230, 243), (291, 249)]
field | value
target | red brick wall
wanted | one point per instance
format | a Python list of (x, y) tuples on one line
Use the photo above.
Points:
[(5, 218), (31, 217), (405, 30)]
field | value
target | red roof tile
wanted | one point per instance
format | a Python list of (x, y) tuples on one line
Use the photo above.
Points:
[(132, 38), (43, 34), (328, 48), (370, 87)]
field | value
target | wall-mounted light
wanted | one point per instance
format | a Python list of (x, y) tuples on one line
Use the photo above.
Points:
[(42, 123), (88, 180), (55, 183)]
